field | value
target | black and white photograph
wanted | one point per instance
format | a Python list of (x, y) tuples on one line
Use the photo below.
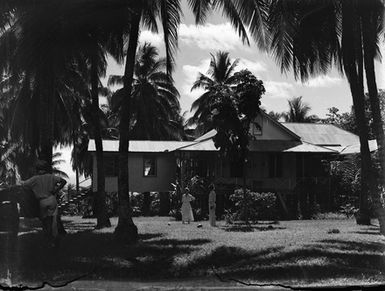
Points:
[(192, 145)]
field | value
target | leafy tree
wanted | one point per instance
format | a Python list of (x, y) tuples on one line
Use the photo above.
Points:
[(347, 120), (232, 110)]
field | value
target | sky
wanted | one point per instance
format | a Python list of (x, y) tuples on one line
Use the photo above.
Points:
[(196, 43)]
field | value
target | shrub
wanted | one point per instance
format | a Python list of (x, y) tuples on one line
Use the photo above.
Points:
[(254, 206), (348, 209)]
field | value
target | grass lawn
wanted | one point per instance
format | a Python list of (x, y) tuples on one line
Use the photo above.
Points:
[(296, 253)]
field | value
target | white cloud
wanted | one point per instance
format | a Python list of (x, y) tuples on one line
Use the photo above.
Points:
[(254, 67), (148, 36), (322, 81), (276, 89), (211, 36), (191, 74)]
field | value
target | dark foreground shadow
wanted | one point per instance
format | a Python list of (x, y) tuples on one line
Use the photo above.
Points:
[(155, 257), (29, 260), (325, 260)]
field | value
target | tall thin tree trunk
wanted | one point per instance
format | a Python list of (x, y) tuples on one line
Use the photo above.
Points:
[(366, 162), (126, 231), (47, 96), (101, 207), (146, 203), (353, 66), (77, 180), (75, 145), (164, 198), (369, 40), (245, 196)]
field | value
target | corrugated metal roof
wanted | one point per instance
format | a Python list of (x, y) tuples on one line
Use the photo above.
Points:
[(309, 148), (264, 146), (141, 145), (207, 135), (205, 145), (355, 148), (322, 134)]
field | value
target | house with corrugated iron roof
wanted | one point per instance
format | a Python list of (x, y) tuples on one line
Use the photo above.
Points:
[(284, 158)]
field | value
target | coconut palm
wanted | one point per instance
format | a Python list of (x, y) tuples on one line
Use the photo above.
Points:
[(155, 101), (276, 115), (298, 111), (56, 161), (80, 42), (310, 37), (220, 73), (39, 63), (168, 13), (372, 20)]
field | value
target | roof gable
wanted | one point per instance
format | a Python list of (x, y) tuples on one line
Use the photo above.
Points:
[(272, 129)]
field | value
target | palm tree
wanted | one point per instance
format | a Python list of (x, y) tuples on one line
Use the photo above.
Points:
[(56, 161), (298, 111), (155, 101), (39, 59), (372, 20), (221, 72), (276, 115), (168, 13), (310, 37)]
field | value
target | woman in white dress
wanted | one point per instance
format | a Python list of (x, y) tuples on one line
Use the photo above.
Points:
[(187, 214)]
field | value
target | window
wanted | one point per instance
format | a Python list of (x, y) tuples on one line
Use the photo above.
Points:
[(149, 166), (255, 129), (275, 166)]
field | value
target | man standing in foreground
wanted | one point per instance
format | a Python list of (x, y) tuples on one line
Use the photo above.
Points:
[(45, 187)]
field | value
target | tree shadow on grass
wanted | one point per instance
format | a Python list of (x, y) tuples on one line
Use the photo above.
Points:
[(250, 228), (95, 254), (325, 260), (155, 257), (372, 230)]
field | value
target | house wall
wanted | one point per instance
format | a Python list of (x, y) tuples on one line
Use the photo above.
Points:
[(258, 172), (166, 169), (270, 130)]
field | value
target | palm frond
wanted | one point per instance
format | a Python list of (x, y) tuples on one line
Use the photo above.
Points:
[(231, 11), (200, 8), (170, 12)]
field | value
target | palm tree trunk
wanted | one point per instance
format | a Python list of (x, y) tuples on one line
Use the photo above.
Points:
[(75, 145), (126, 230), (47, 92), (101, 208), (369, 38), (245, 196), (353, 66), (366, 162), (146, 203), (164, 203)]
